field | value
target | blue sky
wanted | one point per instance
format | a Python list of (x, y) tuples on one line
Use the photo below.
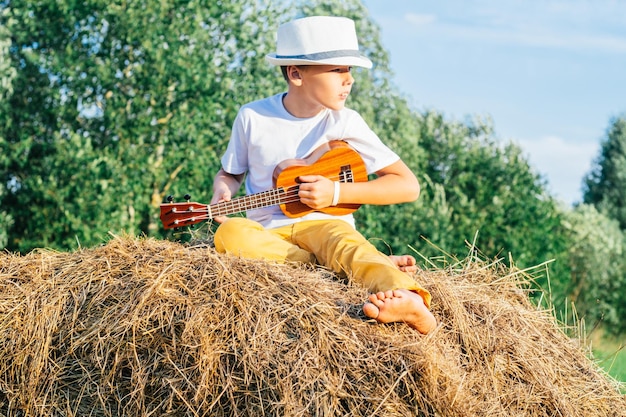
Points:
[(550, 74)]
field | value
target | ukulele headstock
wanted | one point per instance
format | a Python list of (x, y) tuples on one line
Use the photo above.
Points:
[(175, 215)]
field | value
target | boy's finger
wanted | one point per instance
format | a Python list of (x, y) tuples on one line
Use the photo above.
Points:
[(310, 178)]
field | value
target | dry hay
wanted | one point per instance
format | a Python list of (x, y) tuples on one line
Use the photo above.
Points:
[(142, 327)]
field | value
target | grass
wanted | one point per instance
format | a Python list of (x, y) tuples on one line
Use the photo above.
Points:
[(611, 356)]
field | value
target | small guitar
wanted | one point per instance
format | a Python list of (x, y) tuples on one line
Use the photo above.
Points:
[(335, 160)]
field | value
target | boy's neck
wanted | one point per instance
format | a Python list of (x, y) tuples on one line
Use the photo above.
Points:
[(300, 107)]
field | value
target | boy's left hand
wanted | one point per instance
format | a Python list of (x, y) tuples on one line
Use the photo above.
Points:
[(316, 191)]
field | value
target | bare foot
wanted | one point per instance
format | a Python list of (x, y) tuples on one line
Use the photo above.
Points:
[(405, 263), (400, 306)]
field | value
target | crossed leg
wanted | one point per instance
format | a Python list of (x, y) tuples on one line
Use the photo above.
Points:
[(405, 263), (400, 305)]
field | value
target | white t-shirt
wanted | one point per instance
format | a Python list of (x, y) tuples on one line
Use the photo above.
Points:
[(264, 134)]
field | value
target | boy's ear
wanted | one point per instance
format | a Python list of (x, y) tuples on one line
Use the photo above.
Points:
[(294, 74)]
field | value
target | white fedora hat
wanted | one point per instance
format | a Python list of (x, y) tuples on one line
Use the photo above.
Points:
[(318, 40)]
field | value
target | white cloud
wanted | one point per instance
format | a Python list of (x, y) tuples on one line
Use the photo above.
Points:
[(536, 37), (420, 19), (563, 163), (571, 24)]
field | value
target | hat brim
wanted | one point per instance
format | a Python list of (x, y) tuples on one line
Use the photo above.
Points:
[(351, 61)]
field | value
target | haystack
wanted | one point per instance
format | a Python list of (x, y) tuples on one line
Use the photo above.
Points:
[(142, 327)]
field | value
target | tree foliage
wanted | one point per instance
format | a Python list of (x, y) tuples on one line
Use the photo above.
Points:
[(597, 262), (7, 75), (605, 185), (598, 277), (473, 185), (118, 104), (491, 188)]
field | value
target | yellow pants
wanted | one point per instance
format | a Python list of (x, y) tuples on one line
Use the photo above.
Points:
[(332, 243)]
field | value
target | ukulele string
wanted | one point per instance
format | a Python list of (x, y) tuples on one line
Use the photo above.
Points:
[(290, 196), (227, 207)]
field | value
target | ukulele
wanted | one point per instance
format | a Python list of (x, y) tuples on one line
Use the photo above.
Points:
[(335, 160)]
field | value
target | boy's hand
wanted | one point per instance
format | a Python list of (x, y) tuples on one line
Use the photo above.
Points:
[(224, 186), (316, 191), (218, 197)]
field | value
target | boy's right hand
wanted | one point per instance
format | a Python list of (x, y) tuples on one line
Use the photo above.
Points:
[(218, 198), (224, 186)]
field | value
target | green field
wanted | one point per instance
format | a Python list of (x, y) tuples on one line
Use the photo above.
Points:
[(611, 356)]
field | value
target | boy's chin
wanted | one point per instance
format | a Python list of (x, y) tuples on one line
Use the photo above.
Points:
[(337, 107)]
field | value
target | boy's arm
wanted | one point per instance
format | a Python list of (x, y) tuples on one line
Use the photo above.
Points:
[(225, 186), (394, 184), (402, 182)]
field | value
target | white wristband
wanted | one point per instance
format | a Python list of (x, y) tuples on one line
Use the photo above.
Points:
[(336, 194)]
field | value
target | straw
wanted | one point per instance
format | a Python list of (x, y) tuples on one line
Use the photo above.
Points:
[(144, 327)]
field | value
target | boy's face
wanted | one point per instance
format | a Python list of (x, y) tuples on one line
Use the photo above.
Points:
[(323, 85)]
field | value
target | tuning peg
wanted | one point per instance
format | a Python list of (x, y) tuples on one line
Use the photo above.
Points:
[(169, 198), (187, 197)]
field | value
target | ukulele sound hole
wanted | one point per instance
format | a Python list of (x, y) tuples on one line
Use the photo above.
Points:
[(345, 175)]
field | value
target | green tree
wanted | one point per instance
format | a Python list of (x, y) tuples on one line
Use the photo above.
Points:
[(596, 259), (117, 104), (7, 74), (488, 189), (605, 185)]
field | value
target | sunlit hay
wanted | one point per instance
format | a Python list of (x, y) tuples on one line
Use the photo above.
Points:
[(142, 327)]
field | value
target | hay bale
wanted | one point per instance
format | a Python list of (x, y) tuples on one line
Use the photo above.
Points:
[(141, 327)]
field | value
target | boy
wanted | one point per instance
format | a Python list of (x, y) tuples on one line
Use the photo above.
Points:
[(316, 55)]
